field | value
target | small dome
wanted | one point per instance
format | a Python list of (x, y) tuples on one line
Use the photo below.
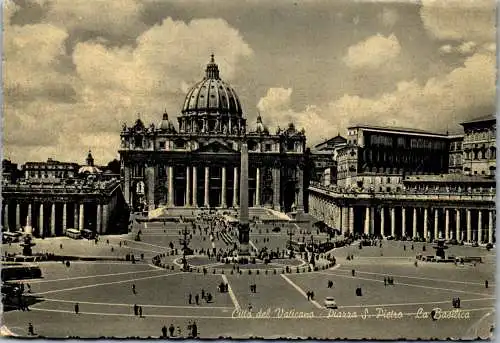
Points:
[(260, 127), (212, 95), (165, 124)]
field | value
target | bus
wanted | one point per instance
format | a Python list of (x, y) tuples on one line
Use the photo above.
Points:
[(73, 233), (11, 237)]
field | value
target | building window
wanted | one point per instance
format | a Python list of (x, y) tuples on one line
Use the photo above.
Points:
[(268, 147), (388, 180), (162, 145)]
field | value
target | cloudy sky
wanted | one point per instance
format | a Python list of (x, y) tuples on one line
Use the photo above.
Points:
[(75, 70)]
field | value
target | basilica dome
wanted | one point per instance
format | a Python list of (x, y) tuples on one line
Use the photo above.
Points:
[(212, 95)]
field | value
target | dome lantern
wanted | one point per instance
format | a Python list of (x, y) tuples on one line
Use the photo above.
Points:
[(212, 70)]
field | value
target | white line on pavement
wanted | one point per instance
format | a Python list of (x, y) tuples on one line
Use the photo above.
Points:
[(92, 276), (129, 305), (301, 291), (231, 293), (410, 285), (105, 283), (424, 278)]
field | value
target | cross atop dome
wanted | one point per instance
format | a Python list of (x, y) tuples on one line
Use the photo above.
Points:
[(212, 70)]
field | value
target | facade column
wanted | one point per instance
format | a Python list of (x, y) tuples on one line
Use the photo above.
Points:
[(40, 219), (300, 200), (235, 187), (403, 219), (478, 235), (490, 226), (187, 199), (393, 222), (18, 216), (276, 188), (75, 222), (414, 222), (207, 177), (367, 220), (344, 216), (382, 221), (457, 225), (469, 228), (6, 217), (351, 219), (64, 218), (447, 224), (372, 220), (426, 233), (195, 186), (151, 183), (104, 224), (81, 223), (224, 190), (436, 234), (170, 186), (257, 187), (53, 219)]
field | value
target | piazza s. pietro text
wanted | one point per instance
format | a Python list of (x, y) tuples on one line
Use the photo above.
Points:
[(260, 169)]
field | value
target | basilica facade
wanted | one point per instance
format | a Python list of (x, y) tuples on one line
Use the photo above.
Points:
[(196, 164)]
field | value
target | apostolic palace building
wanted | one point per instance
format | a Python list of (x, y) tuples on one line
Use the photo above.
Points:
[(197, 165)]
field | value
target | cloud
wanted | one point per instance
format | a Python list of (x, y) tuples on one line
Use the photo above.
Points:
[(459, 20), (389, 17), (372, 52), (466, 48), (64, 113), (440, 104), (109, 18)]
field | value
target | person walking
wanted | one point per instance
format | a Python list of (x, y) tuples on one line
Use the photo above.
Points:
[(77, 308), (140, 311), (133, 289), (190, 300), (197, 299), (171, 329), (31, 330), (164, 332)]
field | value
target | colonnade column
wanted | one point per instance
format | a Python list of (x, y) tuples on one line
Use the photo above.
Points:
[(64, 218), (53, 219), (382, 221), (195, 186), (393, 222), (457, 225), (207, 171), (351, 219), (436, 235), (478, 235), (367, 220), (40, 219), (75, 218), (30, 222), (81, 218), (372, 220), (414, 222), (18, 216), (223, 193), (426, 234), (98, 229), (469, 228), (235, 188), (447, 224), (6, 217), (403, 219), (187, 199), (104, 224), (257, 187), (170, 186), (490, 226)]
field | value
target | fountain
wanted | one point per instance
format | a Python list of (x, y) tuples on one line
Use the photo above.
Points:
[(440, 248), (27, 244)]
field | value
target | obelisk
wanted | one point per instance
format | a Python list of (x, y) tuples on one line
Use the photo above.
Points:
[(244, 225)]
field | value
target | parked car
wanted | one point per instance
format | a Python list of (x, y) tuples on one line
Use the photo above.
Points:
[(330, 303)]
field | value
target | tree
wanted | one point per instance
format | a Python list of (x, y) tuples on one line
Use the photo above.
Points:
[(114, 166)]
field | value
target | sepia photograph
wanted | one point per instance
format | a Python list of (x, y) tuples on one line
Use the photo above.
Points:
[(249, 169)]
